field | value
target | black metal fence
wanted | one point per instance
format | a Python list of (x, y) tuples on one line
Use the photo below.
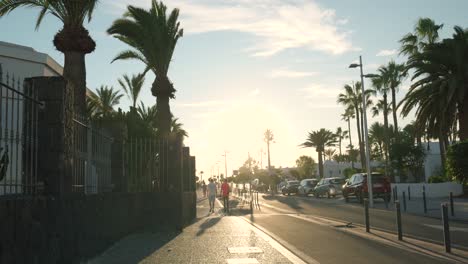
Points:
[(19, 110), (91, 170), (145, 169)]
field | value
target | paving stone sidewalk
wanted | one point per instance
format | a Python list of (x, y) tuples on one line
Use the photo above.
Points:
[(213, 238)]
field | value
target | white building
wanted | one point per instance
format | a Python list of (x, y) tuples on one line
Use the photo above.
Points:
[(17, 63)]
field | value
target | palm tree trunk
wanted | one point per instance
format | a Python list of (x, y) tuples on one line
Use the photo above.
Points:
[(162, 90), (463, 119), (320, 164), (386, 136), (340, 144), (74, 72), (358, 123), (394, 110), (349, 131), (442, 151)]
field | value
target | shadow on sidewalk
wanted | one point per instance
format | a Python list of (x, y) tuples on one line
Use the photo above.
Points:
[(135, 248), (208, 223)]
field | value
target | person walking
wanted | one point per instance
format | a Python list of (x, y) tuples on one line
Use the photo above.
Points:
[(225, 194), (204, 188), (211, 194)]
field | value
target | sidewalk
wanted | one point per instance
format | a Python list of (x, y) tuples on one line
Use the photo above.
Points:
[(212, 238), (433, 205)]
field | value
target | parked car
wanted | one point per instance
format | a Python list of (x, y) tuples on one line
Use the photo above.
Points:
[(357, 186), (307, 186), (329, 187), (290, 187)]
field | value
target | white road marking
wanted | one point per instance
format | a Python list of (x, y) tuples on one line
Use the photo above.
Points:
[(244, 250), (273, 241), (452, 228), (243, 261)]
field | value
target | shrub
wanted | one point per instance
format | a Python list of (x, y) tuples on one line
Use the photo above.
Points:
[(348, 172), (437, 179), (457, 162)]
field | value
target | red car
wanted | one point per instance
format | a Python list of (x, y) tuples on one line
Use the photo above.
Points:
[(357, 186)]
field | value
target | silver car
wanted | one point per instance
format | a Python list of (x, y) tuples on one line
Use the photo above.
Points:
[(329, 187), (307, 186)]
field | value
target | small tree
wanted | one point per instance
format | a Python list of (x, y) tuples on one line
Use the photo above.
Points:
[(457, 162), (305, 167)]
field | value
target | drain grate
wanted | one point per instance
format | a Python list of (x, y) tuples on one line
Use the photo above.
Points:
[(348, 225)]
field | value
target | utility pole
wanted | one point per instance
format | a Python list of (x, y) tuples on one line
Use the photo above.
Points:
[(268, 138), (225, 163)]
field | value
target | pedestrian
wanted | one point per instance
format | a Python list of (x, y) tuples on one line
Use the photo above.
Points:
[(225, 194), (211, 194), (204, 188)]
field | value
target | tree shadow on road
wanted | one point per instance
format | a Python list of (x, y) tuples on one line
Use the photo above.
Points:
[(287, 200)]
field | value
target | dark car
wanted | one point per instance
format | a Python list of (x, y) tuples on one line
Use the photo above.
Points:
[(357, 186), (290, 187), (307, 186)]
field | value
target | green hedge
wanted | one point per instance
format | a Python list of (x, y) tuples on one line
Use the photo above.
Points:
[(457, 162)]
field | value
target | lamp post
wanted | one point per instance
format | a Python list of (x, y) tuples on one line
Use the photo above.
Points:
[(225, 163), (366, 134)]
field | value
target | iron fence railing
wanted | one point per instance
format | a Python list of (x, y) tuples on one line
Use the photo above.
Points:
[(91, 170), (144, 167), (19, 108)]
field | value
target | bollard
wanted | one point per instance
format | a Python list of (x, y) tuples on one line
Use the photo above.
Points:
[(445, 222), (398, 218), (452, 211), (404, 201), (424, 199), (366, 213), (409, 193), (396, 194)]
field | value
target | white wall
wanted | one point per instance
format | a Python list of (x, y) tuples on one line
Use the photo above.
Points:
[(432, 189)]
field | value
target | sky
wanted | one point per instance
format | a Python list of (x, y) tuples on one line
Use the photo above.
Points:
[(244, 66)]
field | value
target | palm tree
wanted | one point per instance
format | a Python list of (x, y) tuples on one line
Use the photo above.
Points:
[(329, 152), (153, 36), (377, 137), (147, 114), (319, 140), (440, 94), (268, 138), (390, 78), (426, 32), (341, 134), (177, 130), (132, 86), (105, 100), (347, 116), (352, 98), (73, 40)]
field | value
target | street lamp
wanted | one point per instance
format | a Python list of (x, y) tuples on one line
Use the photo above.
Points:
[(225, 163), (366, 134)]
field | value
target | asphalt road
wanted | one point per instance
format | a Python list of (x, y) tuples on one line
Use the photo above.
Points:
[(414, 226), (325, 244)]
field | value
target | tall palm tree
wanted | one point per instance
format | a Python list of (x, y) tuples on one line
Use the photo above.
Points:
[(319, 140), (152, 34), (73, 40), (352, 98), (347, 116), (341, 134), (426, 32), (132, 86), (439, 93), (268, 138), (107, 98), (393, 75)]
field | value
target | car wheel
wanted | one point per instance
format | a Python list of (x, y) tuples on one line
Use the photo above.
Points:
[(284, 193)]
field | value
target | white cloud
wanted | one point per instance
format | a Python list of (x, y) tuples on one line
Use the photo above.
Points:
[(277, 25), (285, 73), (317, 91), (386, 52)]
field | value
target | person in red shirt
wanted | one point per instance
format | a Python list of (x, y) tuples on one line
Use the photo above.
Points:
[(225, 194)]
